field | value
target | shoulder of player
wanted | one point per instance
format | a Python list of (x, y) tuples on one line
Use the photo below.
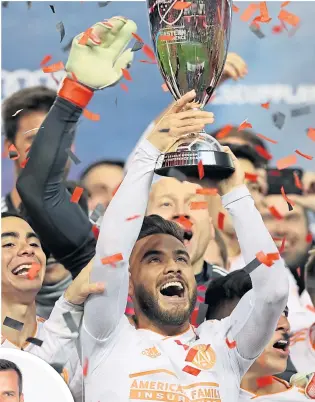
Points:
[(218, 272)]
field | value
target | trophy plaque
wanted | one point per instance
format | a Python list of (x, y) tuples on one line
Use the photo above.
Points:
[(190, 41)]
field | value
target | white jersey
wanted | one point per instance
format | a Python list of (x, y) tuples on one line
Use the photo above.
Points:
[(54, 350), (301, 309), (126, 364), (291, 394), (302, 349)]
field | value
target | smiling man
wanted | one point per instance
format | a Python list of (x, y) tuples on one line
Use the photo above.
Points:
[(21, 253), (11, 382)]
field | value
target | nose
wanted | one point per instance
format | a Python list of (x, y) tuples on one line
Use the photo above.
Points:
[(283, 324), (26, 250), (172, 268)]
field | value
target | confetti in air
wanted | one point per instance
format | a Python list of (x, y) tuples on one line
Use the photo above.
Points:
[(61, 29)]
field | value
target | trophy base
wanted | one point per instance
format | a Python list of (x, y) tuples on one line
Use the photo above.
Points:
[(216, 164)]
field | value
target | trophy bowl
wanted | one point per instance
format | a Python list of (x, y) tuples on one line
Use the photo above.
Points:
[(190, 41)]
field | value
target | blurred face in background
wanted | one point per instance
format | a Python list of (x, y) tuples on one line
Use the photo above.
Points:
[(293, 227), (171, 199), (101, 182)]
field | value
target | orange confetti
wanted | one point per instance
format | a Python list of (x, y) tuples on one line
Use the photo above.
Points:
[(76, 195), (249, 12), (273, 210), (219, 15), (277, 29), (207, 191), (148, 52), (285, 3), (166, 38), (267, 139), (95, 231), (191, 355), (297, 181), (309, 157), (115, 190), (126, 74), (85, 367), (286, 162), (164, 87), (311, 133), (263, 152), (23, 163), (267, 259), (251, 177), (286, 197), (201, 171), (91, 116), (45, 60), (224, 132), (289, 18), (191, 370), (265, 105), (198, 205), (13, 153), (298, 270), (310, 308), (231, 345), (124, 87), (264, 381), (181, 5), (185, 222), (53, 68), (137, 37), (264, 14), (131, 218), (85, 37), (112, 259), (244, 125), (281, 249), (309, 238), (221, 217), (235, 8), (33, 271)]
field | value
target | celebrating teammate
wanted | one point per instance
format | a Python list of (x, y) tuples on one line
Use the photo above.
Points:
[(260, 383)]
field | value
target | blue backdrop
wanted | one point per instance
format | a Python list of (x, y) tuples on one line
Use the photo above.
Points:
[(281, 70)]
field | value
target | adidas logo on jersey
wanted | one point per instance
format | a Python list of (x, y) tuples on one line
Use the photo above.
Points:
[(151, 352)]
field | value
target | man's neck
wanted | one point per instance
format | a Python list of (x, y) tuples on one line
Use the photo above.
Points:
[(249, 383), (15, 198), (25, 313), (166, 330)]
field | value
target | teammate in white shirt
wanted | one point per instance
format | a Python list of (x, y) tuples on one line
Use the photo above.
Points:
[(164, 358), (303, 341), (259, 383), (20, 249)]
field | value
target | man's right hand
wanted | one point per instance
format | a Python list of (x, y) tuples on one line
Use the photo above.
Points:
[(96, 59), (179, 120)]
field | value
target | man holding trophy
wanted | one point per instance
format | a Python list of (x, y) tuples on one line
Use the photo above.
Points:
[(164, 358)]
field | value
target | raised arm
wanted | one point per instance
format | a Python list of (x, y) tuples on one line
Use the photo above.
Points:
[(62, 225), (123, 218), (254, 319)]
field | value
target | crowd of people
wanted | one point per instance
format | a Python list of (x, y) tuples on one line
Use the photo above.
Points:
[(128, 291)]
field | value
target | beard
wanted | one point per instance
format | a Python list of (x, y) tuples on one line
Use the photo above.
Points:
[(149, 306)]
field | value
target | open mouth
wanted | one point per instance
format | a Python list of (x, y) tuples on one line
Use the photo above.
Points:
[(173, 289), (22, 270), (282, 344)]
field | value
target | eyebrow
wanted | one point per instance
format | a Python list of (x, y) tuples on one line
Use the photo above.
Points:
[(151, 253), (29, 235)]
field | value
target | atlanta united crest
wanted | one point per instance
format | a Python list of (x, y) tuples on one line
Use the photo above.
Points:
[(205, 357)]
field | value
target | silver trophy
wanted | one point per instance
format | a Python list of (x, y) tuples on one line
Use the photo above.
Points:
[(191, 40)]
